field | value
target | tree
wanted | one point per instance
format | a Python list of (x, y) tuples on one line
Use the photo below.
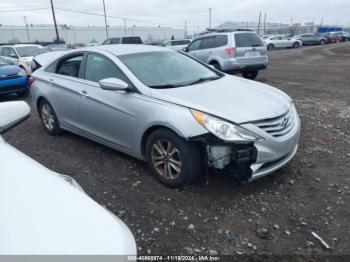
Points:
[(172, 37)]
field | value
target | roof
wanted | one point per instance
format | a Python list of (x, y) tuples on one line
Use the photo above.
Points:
[(128, 49), (21, 45)]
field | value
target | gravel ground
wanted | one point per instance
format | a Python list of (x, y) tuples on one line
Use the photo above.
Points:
[(272, 216)]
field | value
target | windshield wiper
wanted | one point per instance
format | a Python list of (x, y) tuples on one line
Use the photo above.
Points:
[(204, 79), (165, 86)]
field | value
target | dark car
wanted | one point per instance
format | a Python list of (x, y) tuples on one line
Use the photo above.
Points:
[(123, 40), (334, 37), (345, 36), (310, 39)]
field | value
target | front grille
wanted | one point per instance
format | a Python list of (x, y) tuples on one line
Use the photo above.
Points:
[(9, 77), (277, 126), (11, 88)]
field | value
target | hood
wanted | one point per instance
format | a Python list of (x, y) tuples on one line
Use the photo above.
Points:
[(233, 98), (6, 70), (42, 214), (27, 58)]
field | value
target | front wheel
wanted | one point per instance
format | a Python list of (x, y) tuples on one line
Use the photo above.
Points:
[(322, 42), (270, 46), (250, 74), (48, 118), (174, 161)]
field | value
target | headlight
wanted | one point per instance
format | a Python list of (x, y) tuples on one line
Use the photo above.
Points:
[(22, 73), (225, 130)]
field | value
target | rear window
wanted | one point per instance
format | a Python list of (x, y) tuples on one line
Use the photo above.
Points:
[(247, 40), (131, 40)]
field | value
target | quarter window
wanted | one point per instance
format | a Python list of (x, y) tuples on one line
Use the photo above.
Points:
[(99, 67)]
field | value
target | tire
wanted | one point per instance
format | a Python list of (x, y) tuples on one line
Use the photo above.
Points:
[(167, 149), (216, 65), (48, 118), (296, 45), (322, 42), (23, 94), (270, 46), (250, 74)]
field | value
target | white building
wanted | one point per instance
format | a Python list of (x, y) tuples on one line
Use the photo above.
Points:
[(71, 34)]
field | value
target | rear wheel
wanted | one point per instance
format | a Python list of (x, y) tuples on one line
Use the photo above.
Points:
[(48, 118), (296, 45), (250, 74), (174, 161), (322, 42), (216, 65), (270, 46)]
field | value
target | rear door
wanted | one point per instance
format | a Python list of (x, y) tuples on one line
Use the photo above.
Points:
[(64, 89), (250, 49)]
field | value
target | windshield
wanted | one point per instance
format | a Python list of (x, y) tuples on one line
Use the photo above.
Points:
[(167, 69), (29, 51)]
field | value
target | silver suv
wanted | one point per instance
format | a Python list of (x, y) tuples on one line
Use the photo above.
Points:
[(231, 51)]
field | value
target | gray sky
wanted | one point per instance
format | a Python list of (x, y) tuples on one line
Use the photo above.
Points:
[(175, 12)]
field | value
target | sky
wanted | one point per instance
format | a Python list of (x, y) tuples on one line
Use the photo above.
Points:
[(175, 12)]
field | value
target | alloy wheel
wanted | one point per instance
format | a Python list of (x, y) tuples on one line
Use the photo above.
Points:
[(47, 116), (166, 159)]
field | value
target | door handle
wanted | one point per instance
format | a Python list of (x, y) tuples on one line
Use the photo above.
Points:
[(84, 93)]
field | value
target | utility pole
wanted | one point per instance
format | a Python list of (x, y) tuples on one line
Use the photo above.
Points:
[(25, 22), (259, 23), (321, 21), (104, 10), (54, 21), (265, 24), (185, 29), (124, 26), (209, 18)]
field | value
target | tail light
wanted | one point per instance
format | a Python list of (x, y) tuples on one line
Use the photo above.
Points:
[(31, 80), (231, 51)]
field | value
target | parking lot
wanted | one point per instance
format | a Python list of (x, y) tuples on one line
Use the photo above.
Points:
[(273, 215)]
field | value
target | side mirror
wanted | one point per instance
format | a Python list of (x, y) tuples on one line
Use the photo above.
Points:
[(113, 84), (12, 113), (13, 56)]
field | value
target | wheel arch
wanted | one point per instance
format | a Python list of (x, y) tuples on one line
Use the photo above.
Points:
[(149, 130)]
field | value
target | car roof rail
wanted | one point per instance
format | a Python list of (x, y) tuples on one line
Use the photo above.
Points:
[(208, 31)]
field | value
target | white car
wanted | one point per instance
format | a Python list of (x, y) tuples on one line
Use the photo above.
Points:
[(177, 45), (281, 42), (46, 213), (21, 54)]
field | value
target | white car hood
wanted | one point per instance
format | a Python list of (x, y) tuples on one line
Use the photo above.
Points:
[(233, 98), (42, 214)]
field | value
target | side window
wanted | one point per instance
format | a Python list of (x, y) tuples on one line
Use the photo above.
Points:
[(9, 52), (99, 67), (208, 43), (106, 42), (115, 41), (194, 45), (70, 66), (220, 40)]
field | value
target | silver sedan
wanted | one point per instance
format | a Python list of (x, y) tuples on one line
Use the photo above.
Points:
[(164, 107)]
